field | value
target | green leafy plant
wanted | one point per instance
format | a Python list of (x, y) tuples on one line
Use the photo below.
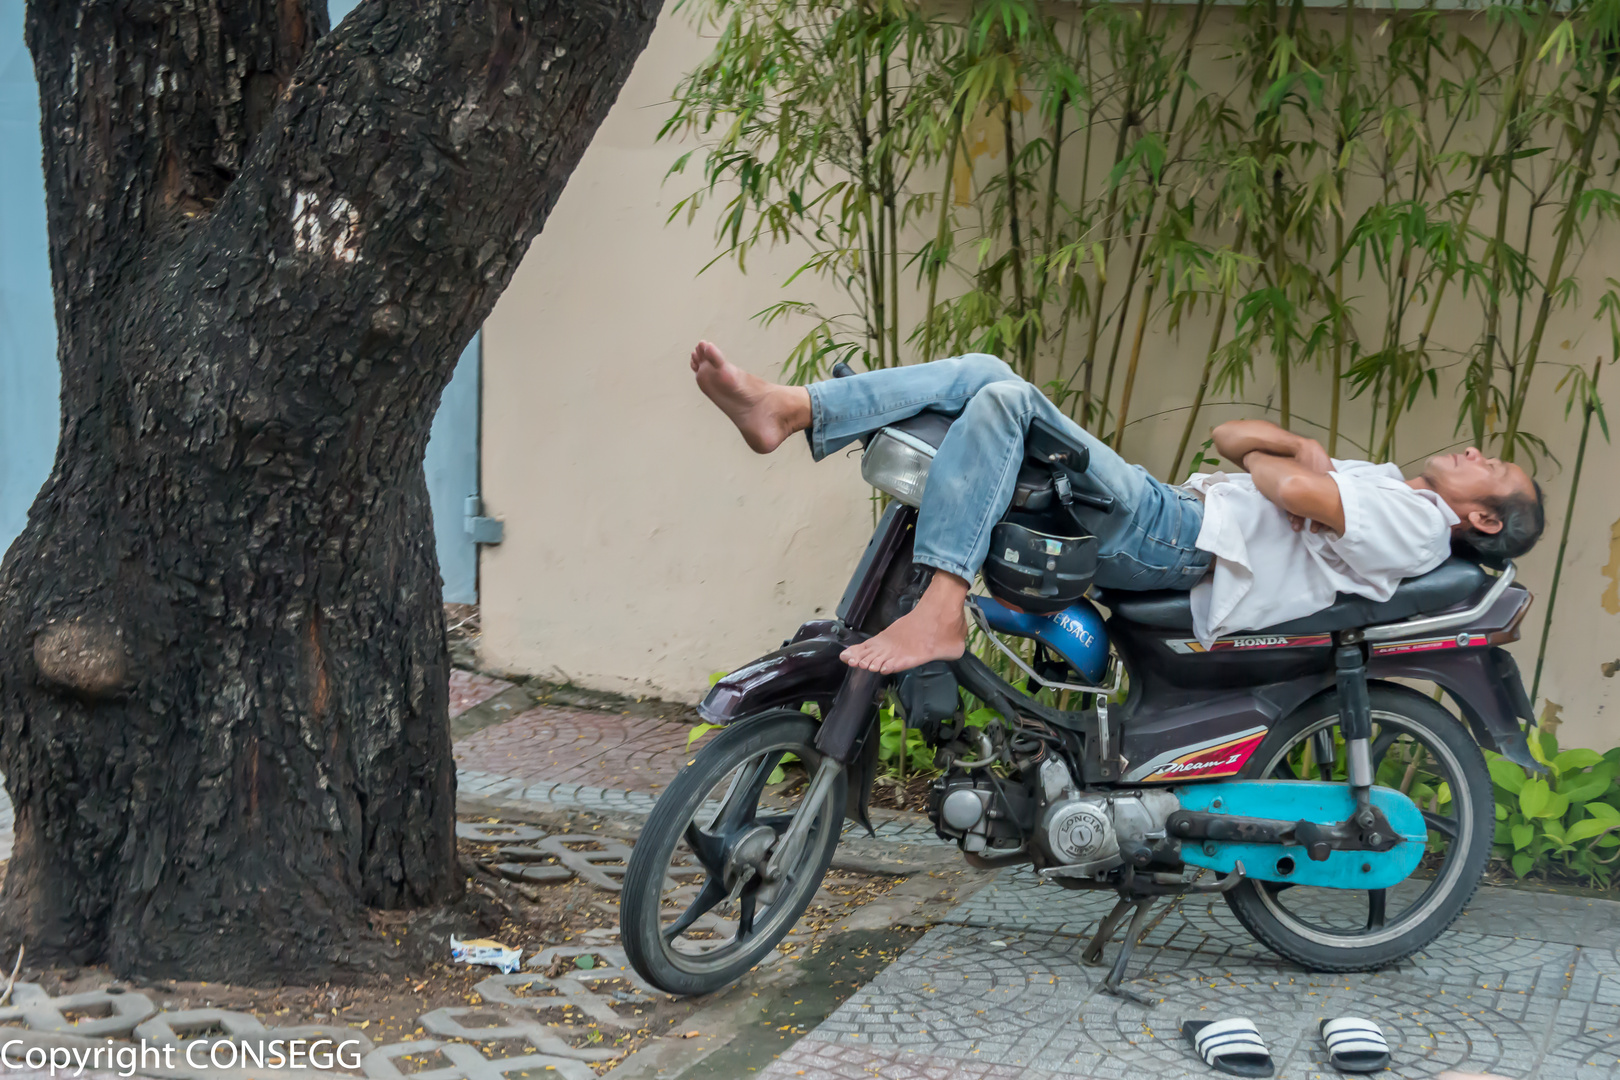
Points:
[(1563, 824), (901, 749)]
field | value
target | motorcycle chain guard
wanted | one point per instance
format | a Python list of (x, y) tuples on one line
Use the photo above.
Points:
[(1325, 803)]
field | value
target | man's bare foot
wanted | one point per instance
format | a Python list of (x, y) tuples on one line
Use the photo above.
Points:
[(936, 629), (765, 412)]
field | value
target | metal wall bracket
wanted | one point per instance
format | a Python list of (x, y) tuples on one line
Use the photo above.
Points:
[(483, 530)]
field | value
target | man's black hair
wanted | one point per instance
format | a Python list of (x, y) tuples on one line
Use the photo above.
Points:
[(1523, 518)]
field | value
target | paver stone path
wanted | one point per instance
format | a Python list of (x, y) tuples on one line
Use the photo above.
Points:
[(1524, 986)]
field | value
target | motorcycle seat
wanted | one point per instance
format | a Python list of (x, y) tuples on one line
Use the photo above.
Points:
[(1448, 585)]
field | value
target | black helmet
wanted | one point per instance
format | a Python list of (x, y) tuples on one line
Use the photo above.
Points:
[(1036, 571)]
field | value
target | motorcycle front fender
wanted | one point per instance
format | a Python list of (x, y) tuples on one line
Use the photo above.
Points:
[(807, 668), (1487, 688)]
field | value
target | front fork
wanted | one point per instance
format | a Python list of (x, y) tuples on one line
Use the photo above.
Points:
[(841, 739)]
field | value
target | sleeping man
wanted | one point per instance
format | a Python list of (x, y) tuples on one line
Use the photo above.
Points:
[(1275, 543)]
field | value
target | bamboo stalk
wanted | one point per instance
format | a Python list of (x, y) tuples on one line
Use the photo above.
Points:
[(1338, 232), (1025, 360), (889, 209), (1493, 314), (1203, 388), (936, 263), (1209, 367), (1588, 407), (1279, 259), (1136, 352), (1526, 62), (1485, 376), (1042, 275), (1141, 244), (894, 275), (874, 299), (1126, 121), (1566, 229), (1082, 62), (1372, 422), (1338, 329), (1271, 122)]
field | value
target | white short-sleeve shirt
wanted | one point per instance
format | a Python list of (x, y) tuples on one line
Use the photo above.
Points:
[(1266, 573)]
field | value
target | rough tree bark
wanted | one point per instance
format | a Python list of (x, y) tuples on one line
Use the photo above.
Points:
[(222, 658)]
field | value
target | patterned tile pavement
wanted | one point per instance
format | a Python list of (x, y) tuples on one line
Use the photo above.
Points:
[(902, 828), (999, 991), (579, 746), (468, 688)]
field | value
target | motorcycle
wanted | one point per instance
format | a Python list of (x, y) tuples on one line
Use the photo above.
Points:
[(1346, 818)]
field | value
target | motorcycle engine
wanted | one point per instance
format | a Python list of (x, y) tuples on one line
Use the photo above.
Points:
[(982, 815), (1095, 831), (1088, 831)]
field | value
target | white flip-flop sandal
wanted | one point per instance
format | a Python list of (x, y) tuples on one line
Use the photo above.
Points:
[(1232, 1046), (1355, 1045)]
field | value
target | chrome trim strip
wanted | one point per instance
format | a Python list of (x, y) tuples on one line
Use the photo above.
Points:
[(1430, 624), (908, 439)]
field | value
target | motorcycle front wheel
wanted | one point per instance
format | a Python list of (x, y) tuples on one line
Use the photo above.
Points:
[(1421, 750), (695, 914)]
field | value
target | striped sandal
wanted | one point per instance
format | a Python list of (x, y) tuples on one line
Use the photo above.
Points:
[(1355, 1045), (1231, 1046)]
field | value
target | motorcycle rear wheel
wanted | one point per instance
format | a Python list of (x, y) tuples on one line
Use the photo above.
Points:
[(1416, 743), (693, 917)]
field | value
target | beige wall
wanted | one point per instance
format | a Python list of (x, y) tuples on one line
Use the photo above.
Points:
[(646, 547)]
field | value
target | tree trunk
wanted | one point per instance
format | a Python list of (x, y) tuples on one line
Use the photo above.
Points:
[(223, 706)]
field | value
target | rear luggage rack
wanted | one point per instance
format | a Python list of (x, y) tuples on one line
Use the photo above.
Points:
[(1429, 624)]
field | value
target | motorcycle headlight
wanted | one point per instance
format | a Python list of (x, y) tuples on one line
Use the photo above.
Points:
[(897, 464)]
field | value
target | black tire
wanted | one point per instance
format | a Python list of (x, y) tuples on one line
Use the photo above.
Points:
[(748, 749), (1289, 920)]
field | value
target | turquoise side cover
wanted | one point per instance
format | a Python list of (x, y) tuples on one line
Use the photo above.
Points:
[(1324, 802)]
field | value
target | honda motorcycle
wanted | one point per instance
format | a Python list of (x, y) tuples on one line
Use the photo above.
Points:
[(1346, 817)]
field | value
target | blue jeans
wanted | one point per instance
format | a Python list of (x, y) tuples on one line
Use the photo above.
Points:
[(1145, 542)]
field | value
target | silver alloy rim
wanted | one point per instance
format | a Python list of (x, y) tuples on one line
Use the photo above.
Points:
[(722, 951), (1437, 892)]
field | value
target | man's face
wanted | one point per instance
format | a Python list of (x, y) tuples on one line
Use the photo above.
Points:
[(1469, 482)]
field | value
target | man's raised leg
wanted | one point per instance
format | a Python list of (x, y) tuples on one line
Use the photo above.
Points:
[(839, 411), (969, 486), (765, 413)]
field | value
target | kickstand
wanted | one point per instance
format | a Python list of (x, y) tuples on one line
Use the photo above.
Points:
[(1105, 932)]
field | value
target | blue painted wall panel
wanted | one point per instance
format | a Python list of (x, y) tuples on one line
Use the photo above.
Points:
[(452, 475), (29, 381), (28, 372)]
